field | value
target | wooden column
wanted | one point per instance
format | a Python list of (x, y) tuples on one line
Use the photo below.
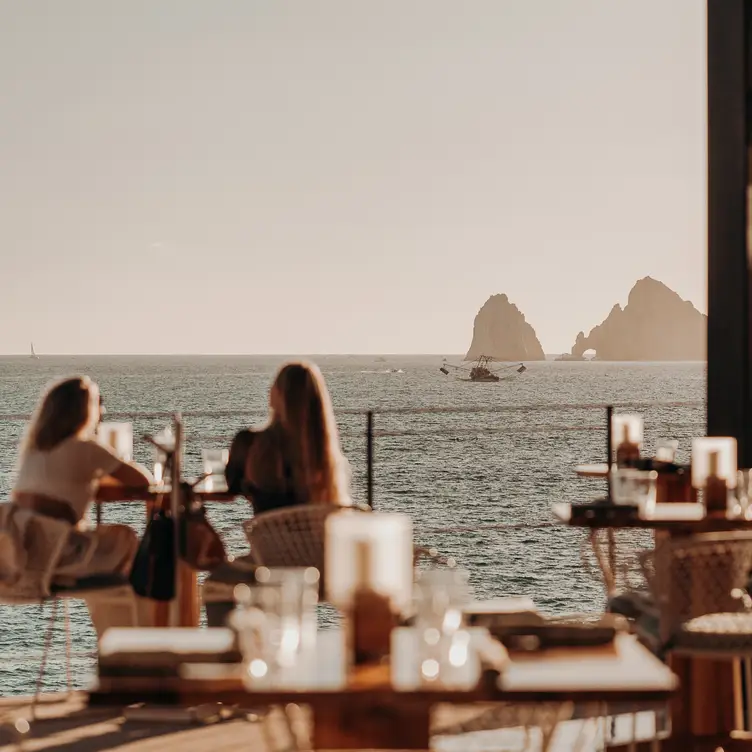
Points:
[(705, 705), (729, 269)]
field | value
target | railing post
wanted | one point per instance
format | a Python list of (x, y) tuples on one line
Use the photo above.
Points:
[(609, 454), (369, 458), (175, 504)]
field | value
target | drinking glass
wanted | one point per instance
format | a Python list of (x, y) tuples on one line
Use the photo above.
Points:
[(284, 640), (638, 487), (665, 450), (440, 596), (214, 463), (739, 501), (443, 645), (251, 625), (119, 437)]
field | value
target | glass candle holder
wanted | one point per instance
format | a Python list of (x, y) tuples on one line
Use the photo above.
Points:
[(440, 598), (714, 470), (389, 540), (119, 437), (713, 456), (626, 437), (636, 487)]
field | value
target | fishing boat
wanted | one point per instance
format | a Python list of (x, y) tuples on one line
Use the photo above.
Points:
[(482, 371), (33, 355)]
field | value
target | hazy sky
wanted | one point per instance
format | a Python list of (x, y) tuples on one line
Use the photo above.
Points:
[(233, 176)]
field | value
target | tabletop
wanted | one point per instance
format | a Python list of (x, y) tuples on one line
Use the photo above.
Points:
[(686, 517), (621, 671), (212, 489), (596, 470)]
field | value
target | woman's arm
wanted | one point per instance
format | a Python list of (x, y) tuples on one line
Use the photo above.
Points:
[(132, 475), (103, 462), (235, 470)]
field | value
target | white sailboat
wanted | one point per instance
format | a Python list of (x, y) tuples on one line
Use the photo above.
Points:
[(33, 355)]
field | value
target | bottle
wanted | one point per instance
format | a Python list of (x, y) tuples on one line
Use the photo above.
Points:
[(626, 451), (715, 491)]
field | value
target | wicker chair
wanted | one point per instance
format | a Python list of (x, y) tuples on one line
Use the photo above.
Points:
[(699, 585), (292, 537)]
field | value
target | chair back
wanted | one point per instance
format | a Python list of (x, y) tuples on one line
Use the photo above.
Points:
[(290, 537), (695, 575)]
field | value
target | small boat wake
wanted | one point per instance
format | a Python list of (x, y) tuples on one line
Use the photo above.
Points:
[(385, 371)]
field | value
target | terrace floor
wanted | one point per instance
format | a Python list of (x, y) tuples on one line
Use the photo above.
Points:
[(71, 726)]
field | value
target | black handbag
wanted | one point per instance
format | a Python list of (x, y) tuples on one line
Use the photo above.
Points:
[(153, 571)]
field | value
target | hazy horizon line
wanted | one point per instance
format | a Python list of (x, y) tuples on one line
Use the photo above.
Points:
[(299, 355)]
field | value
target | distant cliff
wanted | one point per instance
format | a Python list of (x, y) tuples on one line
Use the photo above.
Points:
[(501, 332), (656, 324)]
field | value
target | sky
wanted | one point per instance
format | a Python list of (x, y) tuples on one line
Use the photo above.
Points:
[(342, 176)]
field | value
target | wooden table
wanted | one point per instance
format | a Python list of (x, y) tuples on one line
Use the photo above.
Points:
[(185, 611), (111, 491), (373, 709), (677, 519)]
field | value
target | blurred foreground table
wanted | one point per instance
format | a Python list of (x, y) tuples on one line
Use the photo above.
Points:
[(374, 707)]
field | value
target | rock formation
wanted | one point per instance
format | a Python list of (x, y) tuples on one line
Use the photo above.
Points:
[(656, 324), (501, 332)]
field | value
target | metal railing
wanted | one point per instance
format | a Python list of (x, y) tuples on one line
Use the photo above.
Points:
[(371, 432)]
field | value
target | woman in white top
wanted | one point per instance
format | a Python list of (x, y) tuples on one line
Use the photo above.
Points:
[(61, 464)]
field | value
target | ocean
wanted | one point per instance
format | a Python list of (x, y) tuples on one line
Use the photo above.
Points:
[(496, 455)]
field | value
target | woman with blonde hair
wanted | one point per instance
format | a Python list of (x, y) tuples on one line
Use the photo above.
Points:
[(296, 458), (61, 463)]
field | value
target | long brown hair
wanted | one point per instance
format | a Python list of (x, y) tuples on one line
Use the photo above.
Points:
[(303, 433), (63, 411)]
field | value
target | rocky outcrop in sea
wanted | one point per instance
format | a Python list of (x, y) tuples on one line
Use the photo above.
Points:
[(655, 325), (501, 332)]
